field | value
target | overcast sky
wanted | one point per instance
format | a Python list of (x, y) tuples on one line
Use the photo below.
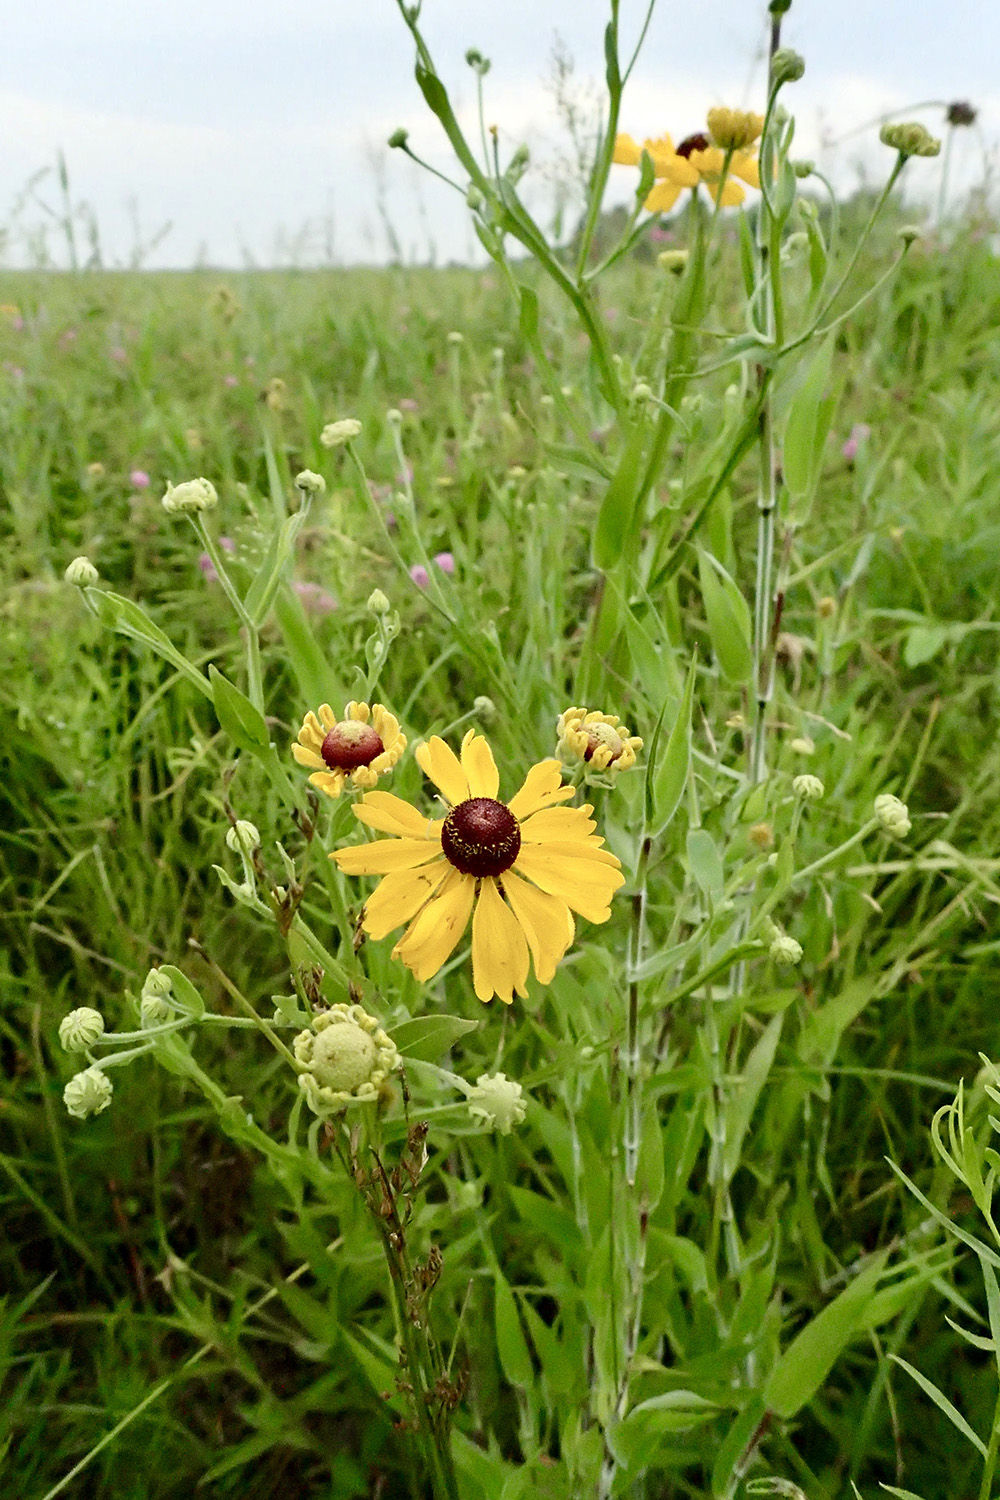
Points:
[(255, 128)]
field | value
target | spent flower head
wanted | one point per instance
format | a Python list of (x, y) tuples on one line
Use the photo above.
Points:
[(81, 1029), (88, 1093), (496, 1101), (82, 572), (364, 745), (190, 498), (601, 741), (346, 1058), (893, 815), (334, 434)]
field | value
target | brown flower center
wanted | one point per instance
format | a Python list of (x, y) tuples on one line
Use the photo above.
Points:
[(351, 744), (481, 837), (699, 142)]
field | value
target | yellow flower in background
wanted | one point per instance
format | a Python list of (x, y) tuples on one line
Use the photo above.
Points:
[(696, 161), (671, 170), (354, 748), (600, 740), (518, 869)]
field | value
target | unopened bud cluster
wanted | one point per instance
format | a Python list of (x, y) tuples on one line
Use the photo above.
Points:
[(909, 138), (190, 498), (335, 434), (893, 815)]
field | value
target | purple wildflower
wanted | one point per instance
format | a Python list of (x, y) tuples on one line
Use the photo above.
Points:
[(420, 575), (139, 479), (445, 562)]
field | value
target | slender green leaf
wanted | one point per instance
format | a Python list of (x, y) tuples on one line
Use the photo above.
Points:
[(814, 1351), (125, 616), (942, 1403), (426, 1037), (243, 723)]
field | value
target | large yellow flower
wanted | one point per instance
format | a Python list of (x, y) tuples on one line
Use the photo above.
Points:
[(519, 869), (695, 161), (355, 749)]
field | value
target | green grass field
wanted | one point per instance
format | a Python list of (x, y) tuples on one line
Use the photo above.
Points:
[(218, 1290)]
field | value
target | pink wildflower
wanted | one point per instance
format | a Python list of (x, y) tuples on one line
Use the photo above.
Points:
[(420, 575), (859, 432), (445, 561), (319, 600), (139, 479)]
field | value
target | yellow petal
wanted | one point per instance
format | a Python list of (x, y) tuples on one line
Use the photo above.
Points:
[(391, 814), (543, 785), (433, 935), (731, 194), (386, 855), (499, 950), (312, 734), (385, 725), (545, 921), (558, 823), (663, 197), (708, 162), (306, 757), (479, 766), (360, 712), (660, 145), (747, 167), (438, 761), (626, 152), (330, 782), (584, 885), (327, 715), (400, 896)]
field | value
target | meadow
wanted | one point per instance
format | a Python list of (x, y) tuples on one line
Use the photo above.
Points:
[(710, 1247)]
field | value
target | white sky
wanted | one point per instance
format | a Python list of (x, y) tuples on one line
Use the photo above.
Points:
[(256, 127)]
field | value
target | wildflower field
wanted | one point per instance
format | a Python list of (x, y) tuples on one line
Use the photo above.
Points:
[(499, 852)]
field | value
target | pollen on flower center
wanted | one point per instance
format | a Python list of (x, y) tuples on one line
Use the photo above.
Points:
[(690, 143), (350, 744), (481, 837), (605, 735)]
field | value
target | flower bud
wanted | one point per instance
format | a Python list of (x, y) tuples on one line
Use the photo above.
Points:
[(157, 983), (734, 129), (474, 198), (761, 835), (908, 233), (455, 337), (893, 815), (641, 392), (82, 572), (334, 434), (785, 950), (803, 168), (81, 1029), (378, 604), (909, 138), (787, 66), (672, 260), (809, 788), (345, 1057), (310, 483), (87, 1093), (191, 497), (243, 837), (497, 1102), (154, 1010), (484, 709), (398, 139)]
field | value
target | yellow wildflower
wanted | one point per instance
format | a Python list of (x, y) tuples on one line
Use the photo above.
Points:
[(351, 749), (518, 869), (734, 129), (601, 740), (695, 161)]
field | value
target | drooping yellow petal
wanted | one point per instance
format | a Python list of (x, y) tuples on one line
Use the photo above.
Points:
[(391, 814), (663, 197), (438, 761), (479, 766), (731, 194), (306, 757), (499, 949), (545, 921), (585, 884), (558, 823), (746, 166), (627, 152), (386, 855), (542, 786), (330, 782), (434, 933), (660, 145), (400, 896)]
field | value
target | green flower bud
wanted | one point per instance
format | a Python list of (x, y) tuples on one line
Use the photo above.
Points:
[(803, 168), (809, 788), (909, 138), (497, 1102), (334, 434), (787, 66), (157, 983), (82, 572), (243, 838), (81, 1029), (191, 497), (346, 1057), (87, 1093), (310, 483), (378, 604), (909, 233), (154, 1010), (398, 139), (785, 950), (893, 815), (672, 260)]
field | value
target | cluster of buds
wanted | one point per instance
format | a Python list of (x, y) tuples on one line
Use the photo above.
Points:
[(88, 1092), (190, 498), (909, 138), (893, 815), (335, 434)]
